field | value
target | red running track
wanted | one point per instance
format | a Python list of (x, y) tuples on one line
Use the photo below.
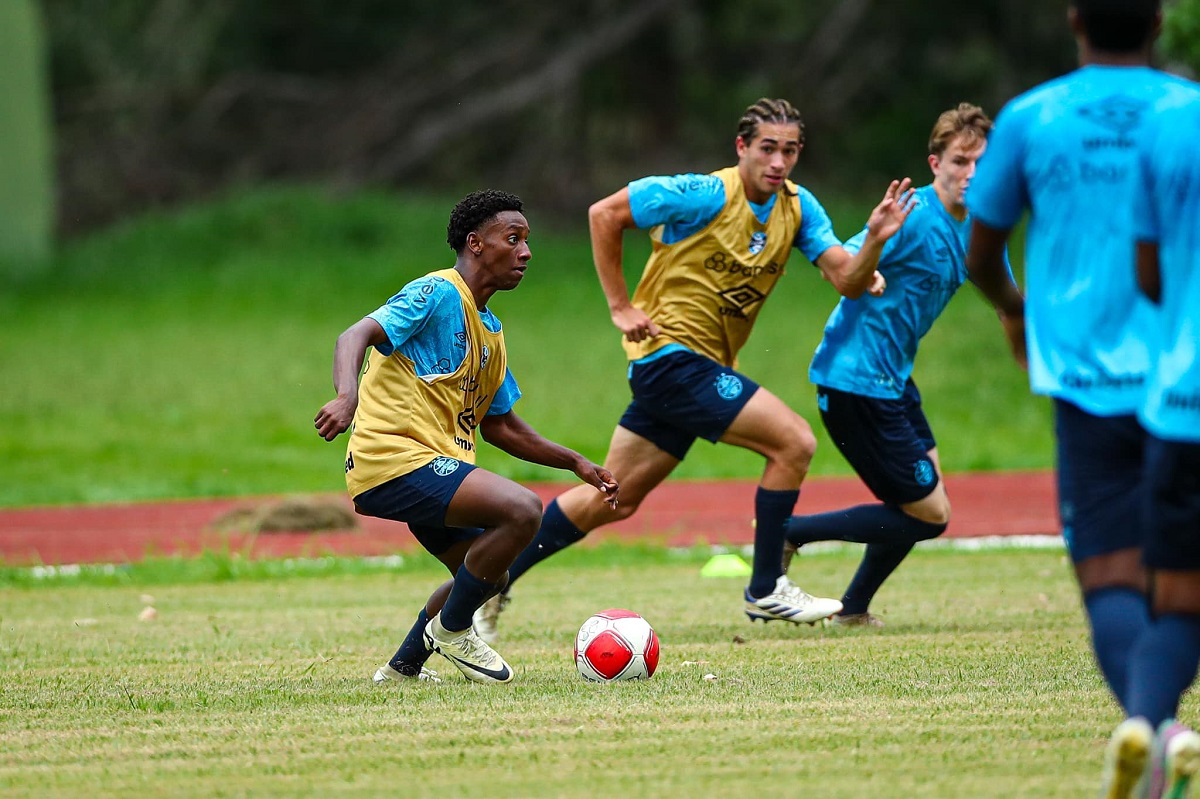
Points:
[(678, 513)]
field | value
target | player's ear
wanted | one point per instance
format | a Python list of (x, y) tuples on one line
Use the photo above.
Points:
[(475, 243)]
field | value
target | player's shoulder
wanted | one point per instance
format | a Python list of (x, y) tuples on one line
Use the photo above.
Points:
[(1177, 93), (432, 290), (808, 201), (682, 183)]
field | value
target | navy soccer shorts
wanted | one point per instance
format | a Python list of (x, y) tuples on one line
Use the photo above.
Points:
[(682, 396), (420, 499), (1100, 460), (887, 441), (1171, 505)]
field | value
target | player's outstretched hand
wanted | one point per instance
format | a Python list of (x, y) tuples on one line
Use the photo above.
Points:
[(634, 323), (601, 479), (878, 284), (889, 215), (335, 417)]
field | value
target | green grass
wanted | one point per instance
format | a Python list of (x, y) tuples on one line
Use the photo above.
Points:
[(182, 355), (982, 685)]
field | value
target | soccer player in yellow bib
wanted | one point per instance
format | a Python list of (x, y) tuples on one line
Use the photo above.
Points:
[(720, 242), (435, 371)]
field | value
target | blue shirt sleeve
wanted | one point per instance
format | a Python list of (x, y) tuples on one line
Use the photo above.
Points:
[(506, 396), (998, 194), (682, 204), (815, 235), (408, 312)]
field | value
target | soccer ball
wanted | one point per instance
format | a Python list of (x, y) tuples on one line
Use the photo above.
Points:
[(616, 645)]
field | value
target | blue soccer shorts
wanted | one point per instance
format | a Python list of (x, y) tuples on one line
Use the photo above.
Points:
[(420, 499), (886, 441), (681, 396), (1100, 461), (1171, 505)]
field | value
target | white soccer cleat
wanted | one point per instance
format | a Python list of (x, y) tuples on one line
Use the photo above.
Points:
[(789, 603), (487, 617), (386, 673), (1176, 759), (476, 660), (1125, 759)]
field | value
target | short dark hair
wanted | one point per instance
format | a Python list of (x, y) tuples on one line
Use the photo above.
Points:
[(1118, 26), (766, 110), (474, 210)]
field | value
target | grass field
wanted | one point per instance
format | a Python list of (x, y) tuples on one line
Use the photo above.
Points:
[(250, 684), (185, 354)]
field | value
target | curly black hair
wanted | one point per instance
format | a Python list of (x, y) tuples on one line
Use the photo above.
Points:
[(473, 211)]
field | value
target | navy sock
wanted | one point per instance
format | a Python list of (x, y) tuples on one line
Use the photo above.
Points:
[(771, 511), (878, 563), (862, 524), (1163, 665), (412, 654), (555, 534), (1119, 616), (468, 593)]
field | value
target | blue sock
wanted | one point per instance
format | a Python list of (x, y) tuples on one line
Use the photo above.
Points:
[(412, 654), (878, 563), (555, 534), (771, 511), (1119, 617), (862, 524), (468, 593), (1163, 666)]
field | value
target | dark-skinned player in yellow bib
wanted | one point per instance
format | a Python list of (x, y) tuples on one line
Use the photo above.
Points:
[(435, 371)]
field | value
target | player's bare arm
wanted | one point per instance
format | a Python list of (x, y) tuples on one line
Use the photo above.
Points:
[(513, 434), (987, 270), (852, 275), (1149, 276), (335, 416), (608, 219)]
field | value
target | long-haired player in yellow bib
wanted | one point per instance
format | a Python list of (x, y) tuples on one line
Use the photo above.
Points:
[(435, 370), (720, 243)]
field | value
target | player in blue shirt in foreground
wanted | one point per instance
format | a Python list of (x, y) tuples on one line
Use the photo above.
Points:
[(863, 366), (1067, 152)]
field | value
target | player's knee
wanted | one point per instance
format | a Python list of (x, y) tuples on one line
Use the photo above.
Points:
[(524, 511), (797, 444)]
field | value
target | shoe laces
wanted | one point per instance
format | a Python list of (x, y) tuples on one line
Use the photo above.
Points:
[(473, 648), (790, 591)]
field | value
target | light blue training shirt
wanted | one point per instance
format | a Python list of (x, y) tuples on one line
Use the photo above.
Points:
[(424, 322), (1168, 213), (870, 343), (686, 204), (1066, 151)]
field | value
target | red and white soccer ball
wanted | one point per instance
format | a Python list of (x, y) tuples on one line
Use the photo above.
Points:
[(616, 645)]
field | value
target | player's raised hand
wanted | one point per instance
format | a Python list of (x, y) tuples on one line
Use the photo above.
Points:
[(898, 202), (634, 323), (335, 417)]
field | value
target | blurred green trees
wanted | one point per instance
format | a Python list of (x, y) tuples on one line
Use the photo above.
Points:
[(157, 101), (1181, 33), (26, 177)]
